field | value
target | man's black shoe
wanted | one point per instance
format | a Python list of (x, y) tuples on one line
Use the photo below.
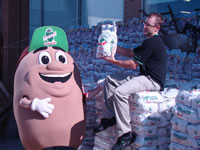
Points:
[(124, 141), (104, 124)]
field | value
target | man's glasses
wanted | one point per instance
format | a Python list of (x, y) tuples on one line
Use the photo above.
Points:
[(147, 24)]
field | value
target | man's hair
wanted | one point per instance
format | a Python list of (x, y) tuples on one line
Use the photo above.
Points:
[(159, 18)]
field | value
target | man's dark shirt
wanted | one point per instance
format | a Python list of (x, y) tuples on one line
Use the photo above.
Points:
[(152, 57)]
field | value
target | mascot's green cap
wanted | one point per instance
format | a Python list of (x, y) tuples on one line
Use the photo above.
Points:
[(48, 36)]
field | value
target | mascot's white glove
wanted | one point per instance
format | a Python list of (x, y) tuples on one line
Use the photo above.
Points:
[(42, 106)]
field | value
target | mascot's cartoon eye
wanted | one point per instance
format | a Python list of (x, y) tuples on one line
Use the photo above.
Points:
[(44, 58), (60, 56)]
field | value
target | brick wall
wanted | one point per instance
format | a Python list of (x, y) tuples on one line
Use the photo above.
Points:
[(131, 8)]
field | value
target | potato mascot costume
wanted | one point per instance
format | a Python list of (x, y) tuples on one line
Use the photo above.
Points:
[(48, 95)]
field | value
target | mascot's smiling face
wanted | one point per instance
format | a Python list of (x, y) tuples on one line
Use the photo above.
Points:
[(50, 69), (46, 58)]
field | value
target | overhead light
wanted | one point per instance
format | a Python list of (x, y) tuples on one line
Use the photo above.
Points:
[(187, 0), (185, 12)]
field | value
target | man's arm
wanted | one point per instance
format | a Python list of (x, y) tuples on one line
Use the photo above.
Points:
[(129, 64), (125, 52)]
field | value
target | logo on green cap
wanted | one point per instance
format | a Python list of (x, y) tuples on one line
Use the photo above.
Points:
[(49, 37)]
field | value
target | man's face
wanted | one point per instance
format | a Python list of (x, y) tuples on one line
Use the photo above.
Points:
[(150, 27)]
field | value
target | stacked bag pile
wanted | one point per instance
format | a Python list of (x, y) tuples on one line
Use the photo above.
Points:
[(130, 34), (183, 70), (196, 68), (150, 119), (185, 133)]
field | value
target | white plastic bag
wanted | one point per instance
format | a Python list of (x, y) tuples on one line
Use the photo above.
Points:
[(170, 92), (186, 113), (145, 130), (194, 131), (166, 131), (183, 97), (146, 141), (163, 147), (107, 41), (144, 108), (147, 119), (176, 146), (147, 97), (166, 106), (184, 139), (179, 124)]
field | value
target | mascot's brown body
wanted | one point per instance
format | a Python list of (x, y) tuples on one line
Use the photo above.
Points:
[(48, 97)]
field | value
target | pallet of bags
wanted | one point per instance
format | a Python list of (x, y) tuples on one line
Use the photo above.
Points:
[(150, 118), (185, 133)]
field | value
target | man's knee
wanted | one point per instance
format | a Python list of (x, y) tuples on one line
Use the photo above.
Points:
[(118, 93), (109, 82), (107, 79)]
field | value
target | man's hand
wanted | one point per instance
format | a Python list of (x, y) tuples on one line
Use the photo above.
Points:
[(42, 106), (110, 59)]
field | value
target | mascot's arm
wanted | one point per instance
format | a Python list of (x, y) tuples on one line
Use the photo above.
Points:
[(40, 105), (24, 102)]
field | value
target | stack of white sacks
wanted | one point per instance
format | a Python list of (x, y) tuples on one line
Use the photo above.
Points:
[(151, 115), (185, 133)]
